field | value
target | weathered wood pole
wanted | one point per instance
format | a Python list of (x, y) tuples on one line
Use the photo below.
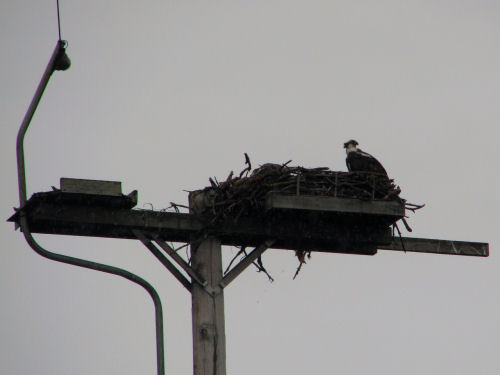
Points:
[(209, 339)]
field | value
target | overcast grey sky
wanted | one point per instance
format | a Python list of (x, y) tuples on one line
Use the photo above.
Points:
[(163, 94)]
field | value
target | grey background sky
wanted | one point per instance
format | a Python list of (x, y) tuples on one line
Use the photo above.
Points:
[(163, 94)]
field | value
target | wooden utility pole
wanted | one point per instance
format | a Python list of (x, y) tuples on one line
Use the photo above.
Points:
[(209, 339)]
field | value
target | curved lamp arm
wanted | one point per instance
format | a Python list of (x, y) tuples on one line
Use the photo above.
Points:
[(60, 61)]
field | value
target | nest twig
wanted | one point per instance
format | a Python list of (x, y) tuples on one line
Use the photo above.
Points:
[(258, 263)]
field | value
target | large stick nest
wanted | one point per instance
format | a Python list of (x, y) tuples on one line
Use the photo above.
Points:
[(244, 195)]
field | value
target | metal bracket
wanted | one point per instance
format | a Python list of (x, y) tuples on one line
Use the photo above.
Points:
[(213, 291)]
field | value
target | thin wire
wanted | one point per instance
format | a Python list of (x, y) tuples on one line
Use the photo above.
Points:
[(58, 20)]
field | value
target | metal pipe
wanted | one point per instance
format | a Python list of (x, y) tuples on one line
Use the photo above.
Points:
[(55, 63), (111, 270), (59, 61)]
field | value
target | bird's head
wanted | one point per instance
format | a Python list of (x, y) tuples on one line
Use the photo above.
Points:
[(350, 145)]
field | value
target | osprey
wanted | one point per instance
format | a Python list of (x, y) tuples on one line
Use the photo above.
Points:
[(360, 161)]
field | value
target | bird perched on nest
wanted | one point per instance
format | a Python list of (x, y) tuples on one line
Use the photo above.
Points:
[(360, 161)]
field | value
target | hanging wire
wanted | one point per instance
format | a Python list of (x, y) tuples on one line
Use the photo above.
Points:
[(58, 20)]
